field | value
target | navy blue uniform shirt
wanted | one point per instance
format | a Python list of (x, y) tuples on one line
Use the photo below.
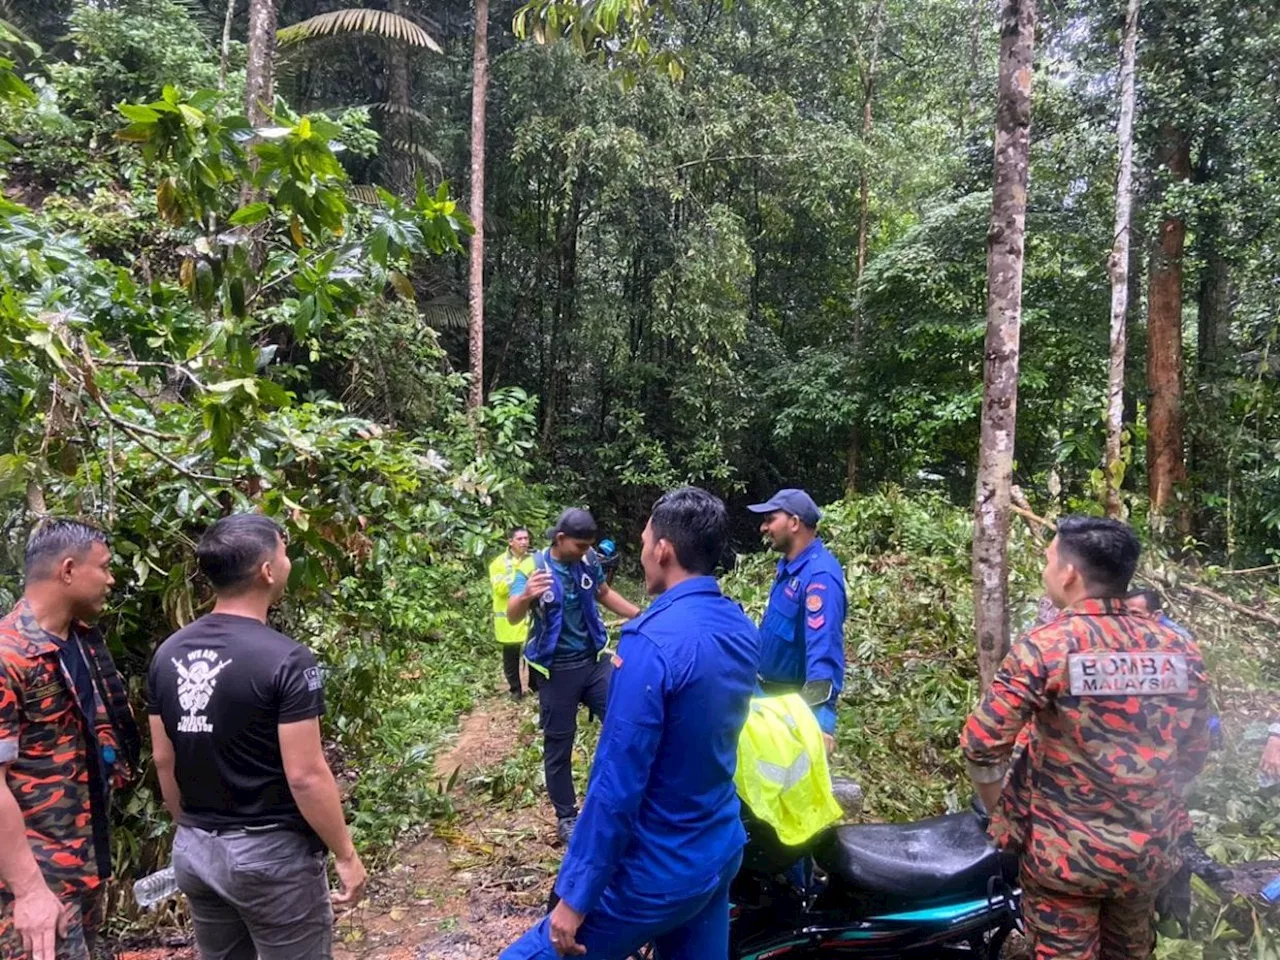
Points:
[(661, 817), (802, 633)]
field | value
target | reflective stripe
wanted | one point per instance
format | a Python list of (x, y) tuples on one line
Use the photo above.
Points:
[(782, 773), (785, 777)]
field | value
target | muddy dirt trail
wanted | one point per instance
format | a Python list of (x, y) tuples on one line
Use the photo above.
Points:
[(468, 887)]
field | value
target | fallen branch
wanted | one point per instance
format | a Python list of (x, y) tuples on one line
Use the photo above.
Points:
[(1033, 517), (1230, 604), (1264, 569)]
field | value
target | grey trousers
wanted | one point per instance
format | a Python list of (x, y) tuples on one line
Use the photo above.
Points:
[(255, 896)]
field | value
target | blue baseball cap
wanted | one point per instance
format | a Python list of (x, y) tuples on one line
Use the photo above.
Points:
[(795, 502)]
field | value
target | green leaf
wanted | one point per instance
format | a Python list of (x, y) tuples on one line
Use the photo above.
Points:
[(13, 475), (378, 246), (250, 214), (138, 113)]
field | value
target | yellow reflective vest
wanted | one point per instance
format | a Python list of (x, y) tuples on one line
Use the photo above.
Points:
[(782, 770), (502, 575)]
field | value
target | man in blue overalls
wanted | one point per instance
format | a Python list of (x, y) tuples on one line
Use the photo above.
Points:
[(660, 836), (802, 633), (566, 645)]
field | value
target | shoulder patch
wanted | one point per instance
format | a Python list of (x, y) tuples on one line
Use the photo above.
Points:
[(813, 602), (816, 622)]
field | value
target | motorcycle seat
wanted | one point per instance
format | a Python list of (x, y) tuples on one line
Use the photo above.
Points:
[(948, 857)]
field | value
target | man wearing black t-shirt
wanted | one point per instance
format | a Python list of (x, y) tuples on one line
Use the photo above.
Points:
[(235, 710)]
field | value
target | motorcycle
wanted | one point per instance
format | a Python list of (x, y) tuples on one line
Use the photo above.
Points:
[(930, 890)]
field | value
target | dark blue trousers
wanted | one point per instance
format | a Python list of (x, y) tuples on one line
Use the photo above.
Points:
[(626, 919)]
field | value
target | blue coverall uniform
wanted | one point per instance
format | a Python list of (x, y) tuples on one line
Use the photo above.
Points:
[(802, 633), (660, 836)]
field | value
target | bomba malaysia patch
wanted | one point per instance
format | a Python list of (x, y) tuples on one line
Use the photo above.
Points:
[(1128, 674)]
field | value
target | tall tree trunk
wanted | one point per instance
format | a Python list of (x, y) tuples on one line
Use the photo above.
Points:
[(225, 54), (1118, 265), (853, 453), (1166, 465), (1214, 301), (399, 97), (1004, 314), (479, 90), (259, 81)]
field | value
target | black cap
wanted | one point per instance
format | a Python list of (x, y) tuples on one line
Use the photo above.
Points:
[(795, 502), (576, 523)]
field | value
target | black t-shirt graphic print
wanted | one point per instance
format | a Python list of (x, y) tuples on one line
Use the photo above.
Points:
[(222, 685)]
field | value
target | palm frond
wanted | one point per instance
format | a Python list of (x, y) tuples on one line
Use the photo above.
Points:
[(445, 312), (383, 23), (365, 193), (419, 151), (403, 109)]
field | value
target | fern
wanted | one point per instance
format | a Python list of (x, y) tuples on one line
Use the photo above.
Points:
[(388, 25)]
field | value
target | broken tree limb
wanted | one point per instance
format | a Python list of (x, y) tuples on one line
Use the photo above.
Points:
[(1033, 517), (1230, 604), (1239, 573)]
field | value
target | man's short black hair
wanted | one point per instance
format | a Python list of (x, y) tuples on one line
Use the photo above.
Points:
[(1105, 551), (514, 530), (55, 538), (232, 550), (695, 523), (1152, 598)]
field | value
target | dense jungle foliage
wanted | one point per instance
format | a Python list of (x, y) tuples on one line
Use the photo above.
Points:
[(762, 264)]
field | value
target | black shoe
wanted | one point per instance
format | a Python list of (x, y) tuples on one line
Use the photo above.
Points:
[(516, 695), (564, 828)]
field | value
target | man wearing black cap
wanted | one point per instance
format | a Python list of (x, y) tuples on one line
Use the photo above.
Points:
[(802, 633), (567, 645)]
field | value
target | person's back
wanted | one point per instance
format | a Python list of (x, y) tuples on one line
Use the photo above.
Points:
[(235, 727), (690, 805), (223, 684), (1113, 741), (1105, 717)]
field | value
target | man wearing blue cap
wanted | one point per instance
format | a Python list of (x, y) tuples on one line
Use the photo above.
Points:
[(802, 633), (562, 597)]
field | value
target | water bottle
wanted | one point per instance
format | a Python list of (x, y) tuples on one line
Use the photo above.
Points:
[(156, 887), (1215, 732)]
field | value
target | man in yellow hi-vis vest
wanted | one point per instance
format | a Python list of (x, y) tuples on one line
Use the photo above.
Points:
[(512, 636)]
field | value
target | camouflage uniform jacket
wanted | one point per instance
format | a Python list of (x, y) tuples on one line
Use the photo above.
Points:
[(1106, 717), (57, 780)]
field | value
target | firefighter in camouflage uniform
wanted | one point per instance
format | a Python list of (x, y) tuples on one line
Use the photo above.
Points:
[(66, 736), (1105, 718)]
